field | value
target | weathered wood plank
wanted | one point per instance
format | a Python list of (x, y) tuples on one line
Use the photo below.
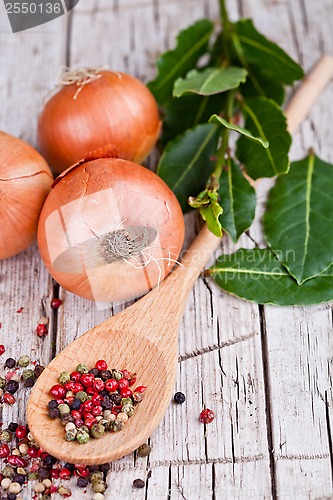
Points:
[(29, 64), (299, 340)]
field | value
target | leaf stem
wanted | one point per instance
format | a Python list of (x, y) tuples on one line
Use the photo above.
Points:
[(226, 29), (221, 152)]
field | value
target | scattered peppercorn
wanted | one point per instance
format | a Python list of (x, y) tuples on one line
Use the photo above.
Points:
[(24, 361), (206, 416), (12, 386), (82, 482), (179, 398), (10, 363), (41, 330), (56, 303), (143, 450), (138, 483)]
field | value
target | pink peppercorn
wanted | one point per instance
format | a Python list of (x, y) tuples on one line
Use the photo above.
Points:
[(9, 398), (4, 451), (207, 416), (2, 349), (41, 330), (56, 303)]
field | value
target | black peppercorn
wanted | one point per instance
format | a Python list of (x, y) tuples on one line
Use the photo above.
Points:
[(54, 413), (10, 363), (12, 386), (94, 371), (11, 496), (105, 468), (19, 478), (69, 466), (105, 375), (104, 393), (49, 460), (75, 404), (116, 399), (93, 468), (30, 382), (52, 404), (82, 482), (43, 474), (179, 398), (138, 483), (107, 403), (38, 370), (12, 426)]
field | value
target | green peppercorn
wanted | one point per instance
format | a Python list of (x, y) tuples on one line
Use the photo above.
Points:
[(82, 437), (128, 408), (64, 409), (143, 450), (8, 471), (116, 374), (28, 374), (24, 361), (81, 368), (32, 476), (82, 396), (125, 401), (2, 382), (118, 425), (98, 487), (96, 476), (6, 436), (97, 431), (71, 435), (64, 377), (64, 492), (84, 428), (104, 422)]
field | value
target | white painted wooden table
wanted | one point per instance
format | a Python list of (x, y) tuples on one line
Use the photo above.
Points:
[(266, 371)]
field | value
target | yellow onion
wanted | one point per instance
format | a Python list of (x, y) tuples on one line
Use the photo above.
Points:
[(94, 108), (110, 230), (25, 180)]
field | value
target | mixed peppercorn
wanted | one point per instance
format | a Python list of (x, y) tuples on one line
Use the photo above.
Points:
[(24, 462), (90, 402)]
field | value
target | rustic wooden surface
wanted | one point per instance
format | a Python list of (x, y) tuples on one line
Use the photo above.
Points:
[(265, 371)]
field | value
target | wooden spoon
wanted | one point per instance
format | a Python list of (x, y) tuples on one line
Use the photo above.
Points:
[(143, 338)]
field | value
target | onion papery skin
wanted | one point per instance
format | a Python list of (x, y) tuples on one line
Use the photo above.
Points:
[(105, 200), (25, 181), (115, 108)]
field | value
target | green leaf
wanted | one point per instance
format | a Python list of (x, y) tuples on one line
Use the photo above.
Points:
[(186, 164), (209, 81), (187, 112), (218, 120), (261, 83), (238, 199), (264, 118), (253, 48), (211, 214), (192, 43), (258, 275), (299, 218)]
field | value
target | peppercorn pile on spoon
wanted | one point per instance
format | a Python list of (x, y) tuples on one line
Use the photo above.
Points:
[(143, 338)]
